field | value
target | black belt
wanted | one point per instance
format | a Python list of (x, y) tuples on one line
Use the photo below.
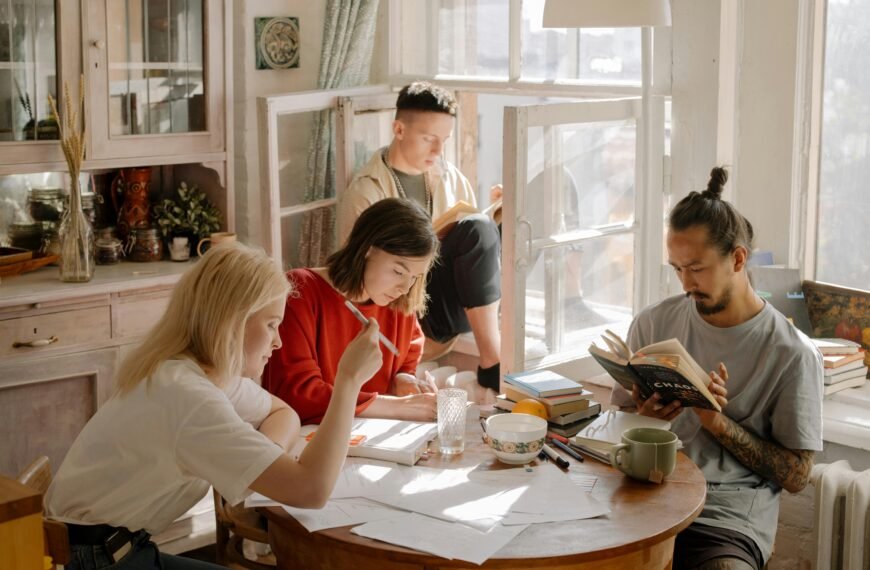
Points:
[(115, 539)]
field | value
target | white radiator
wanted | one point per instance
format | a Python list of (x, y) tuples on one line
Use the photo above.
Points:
[(842, 508)]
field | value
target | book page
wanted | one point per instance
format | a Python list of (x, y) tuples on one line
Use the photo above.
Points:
[(617, 345), (456, 212), (673, 346)]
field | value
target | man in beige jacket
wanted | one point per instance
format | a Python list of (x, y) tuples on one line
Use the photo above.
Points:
[(465, 285)]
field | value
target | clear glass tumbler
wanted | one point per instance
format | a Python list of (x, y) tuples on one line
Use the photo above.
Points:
[(451, 420)]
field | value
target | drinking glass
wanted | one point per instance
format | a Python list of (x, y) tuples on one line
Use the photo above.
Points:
[(451, 420)]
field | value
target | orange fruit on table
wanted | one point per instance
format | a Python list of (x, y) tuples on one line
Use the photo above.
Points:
[(532, 407)]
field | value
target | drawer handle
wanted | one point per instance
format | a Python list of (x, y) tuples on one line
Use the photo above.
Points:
[(35, 343)]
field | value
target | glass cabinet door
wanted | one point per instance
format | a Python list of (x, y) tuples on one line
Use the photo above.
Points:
[(156, 72), (28, 70)]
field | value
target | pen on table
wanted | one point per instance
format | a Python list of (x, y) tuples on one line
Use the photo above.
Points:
[(567, 450), (542, 456), (361, 318), (555, 457)]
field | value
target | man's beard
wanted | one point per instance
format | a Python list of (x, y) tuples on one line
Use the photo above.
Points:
[(723, 303)]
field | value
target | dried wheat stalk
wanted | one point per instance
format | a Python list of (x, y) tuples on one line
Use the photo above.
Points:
[(72, 141)]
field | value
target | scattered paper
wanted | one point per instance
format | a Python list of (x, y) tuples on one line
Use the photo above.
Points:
[(440, 538), (341, 512)]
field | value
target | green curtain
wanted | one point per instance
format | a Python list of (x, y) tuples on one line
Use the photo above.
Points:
[(348, 41)]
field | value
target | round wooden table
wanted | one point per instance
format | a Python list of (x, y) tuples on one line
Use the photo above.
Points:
[(638, 533)]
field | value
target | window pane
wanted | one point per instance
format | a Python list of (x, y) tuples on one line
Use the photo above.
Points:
[(156, 80), (305, 237), (467, 37), (372, 130), (844, 201), (591, 54), (296, 137), (574, 293), (28, 70), (593, 164)]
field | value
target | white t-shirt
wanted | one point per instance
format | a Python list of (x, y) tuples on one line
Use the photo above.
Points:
[(147, 457)]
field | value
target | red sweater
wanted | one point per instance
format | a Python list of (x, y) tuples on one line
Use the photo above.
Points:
[(317, 327)]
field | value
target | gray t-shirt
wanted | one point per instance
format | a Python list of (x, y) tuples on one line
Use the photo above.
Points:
[(414, 186), (774, 387)]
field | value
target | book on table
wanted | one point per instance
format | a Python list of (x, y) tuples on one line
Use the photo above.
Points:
[(856, 382), (665, 367), (606, 430), (396, 441), (833, 346), (857, 372), (555, 405), (572, 429), (543, 383), (834, 361), (462, 209), (567, 419)]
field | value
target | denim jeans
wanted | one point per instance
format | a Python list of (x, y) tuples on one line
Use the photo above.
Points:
[(143, 555)]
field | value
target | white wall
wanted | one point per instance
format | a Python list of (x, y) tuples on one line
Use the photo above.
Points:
[(251, 83), (765, 122)]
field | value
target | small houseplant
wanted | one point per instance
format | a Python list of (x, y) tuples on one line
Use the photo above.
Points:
[(190, 214)]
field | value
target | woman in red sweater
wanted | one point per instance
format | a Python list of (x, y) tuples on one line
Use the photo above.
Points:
[(382, 269)]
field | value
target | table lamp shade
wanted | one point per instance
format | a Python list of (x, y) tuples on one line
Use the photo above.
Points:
[(606, 13)]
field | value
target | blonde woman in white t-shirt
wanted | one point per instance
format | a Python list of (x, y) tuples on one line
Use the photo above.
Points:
[(186, 416)]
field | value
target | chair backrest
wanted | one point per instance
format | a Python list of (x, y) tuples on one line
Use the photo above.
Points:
[(37, 476)]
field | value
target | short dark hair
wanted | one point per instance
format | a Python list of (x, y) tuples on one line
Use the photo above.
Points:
[(397, 226), (423, 96), (726, 227)]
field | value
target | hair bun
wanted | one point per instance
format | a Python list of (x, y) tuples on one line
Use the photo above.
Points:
[(718, 178)]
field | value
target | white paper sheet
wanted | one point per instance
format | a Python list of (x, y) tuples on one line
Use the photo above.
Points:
[(440, 538), (341, 512)]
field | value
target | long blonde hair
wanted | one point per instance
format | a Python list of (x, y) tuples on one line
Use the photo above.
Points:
[(206, 316)]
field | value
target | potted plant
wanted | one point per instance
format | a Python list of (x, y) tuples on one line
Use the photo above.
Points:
[(191, 214)]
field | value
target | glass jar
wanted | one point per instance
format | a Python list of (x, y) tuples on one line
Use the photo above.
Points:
[(50, 243), (109, 251), (45, 204), (27, 235), (146, 245), (89, 207)]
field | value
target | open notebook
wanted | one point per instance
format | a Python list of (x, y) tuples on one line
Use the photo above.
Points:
[(388, 440)]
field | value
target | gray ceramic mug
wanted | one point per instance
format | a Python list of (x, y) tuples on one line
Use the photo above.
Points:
[(647, 454)]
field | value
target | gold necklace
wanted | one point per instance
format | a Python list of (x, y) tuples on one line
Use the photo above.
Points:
[(399, 186)]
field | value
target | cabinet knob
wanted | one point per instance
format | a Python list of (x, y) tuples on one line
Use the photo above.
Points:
[(99, 44)]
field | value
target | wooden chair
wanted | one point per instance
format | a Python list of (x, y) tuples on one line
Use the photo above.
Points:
[(37, 476), (233, 525)]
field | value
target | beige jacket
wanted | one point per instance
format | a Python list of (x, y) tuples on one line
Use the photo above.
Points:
[(374, 182)]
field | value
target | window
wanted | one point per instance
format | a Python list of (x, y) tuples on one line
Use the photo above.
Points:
[(843, 196), (585, 258)]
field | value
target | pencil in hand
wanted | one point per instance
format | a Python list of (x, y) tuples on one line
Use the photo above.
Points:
[(361, 318)]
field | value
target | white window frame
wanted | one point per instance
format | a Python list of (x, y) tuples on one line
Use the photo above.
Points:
[(268, 110), (651, 275)]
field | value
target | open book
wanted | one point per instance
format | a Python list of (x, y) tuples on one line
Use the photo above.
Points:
[(386, 440), (461, 209), (664, 367)]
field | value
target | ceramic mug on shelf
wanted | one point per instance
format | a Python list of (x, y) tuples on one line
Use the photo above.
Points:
[(647, 454), (215, 239), (179, 249)]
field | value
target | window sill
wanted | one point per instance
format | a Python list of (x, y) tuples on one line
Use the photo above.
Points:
[(846, 418)]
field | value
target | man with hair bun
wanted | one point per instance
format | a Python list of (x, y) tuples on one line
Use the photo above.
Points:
[(464, 287), (765, 373)]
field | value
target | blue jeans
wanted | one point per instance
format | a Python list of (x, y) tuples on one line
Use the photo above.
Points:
[(143, 555)]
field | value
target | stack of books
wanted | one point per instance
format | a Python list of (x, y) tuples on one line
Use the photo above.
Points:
[(569, 406), (844, 364)]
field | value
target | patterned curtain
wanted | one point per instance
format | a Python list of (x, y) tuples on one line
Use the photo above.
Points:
[(348, 40)]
